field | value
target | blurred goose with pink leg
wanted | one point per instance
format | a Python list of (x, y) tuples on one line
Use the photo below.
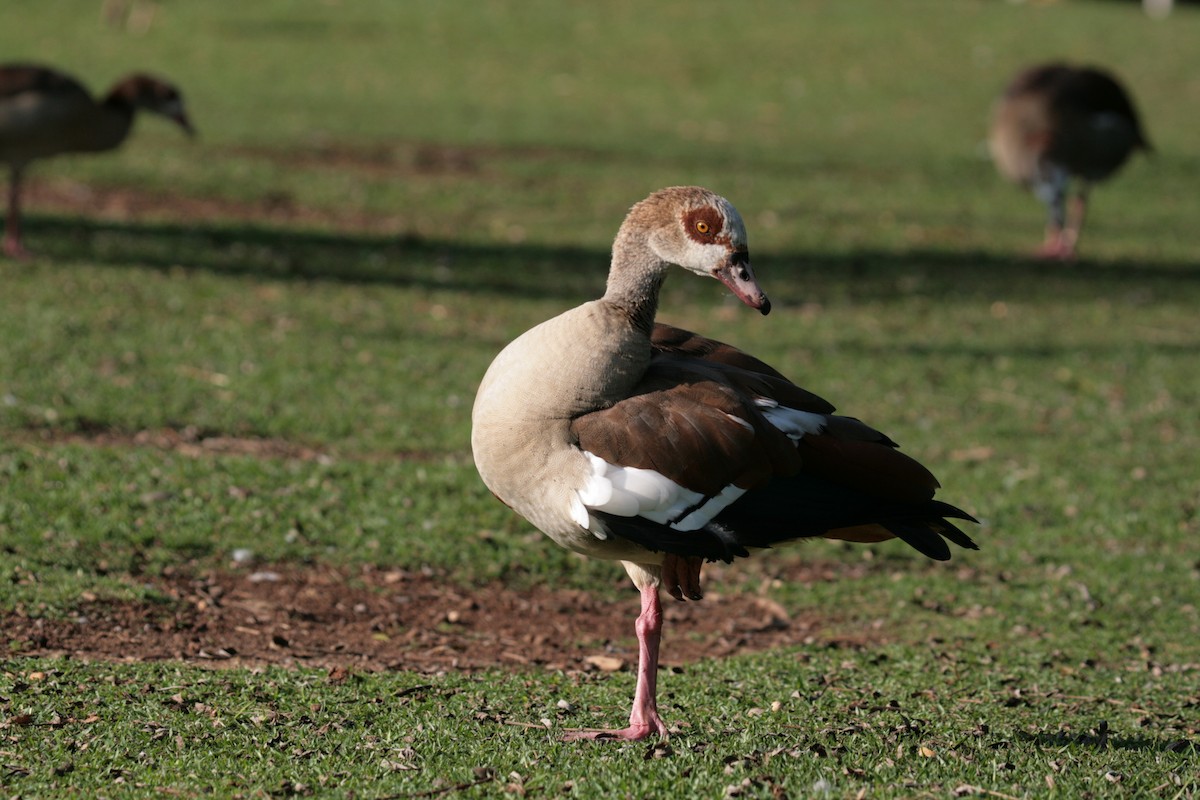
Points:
[(1054, 124), (638, 442), (44, 113)]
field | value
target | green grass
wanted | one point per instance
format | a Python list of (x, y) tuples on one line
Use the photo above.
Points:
[(785, 722), (486, 153)]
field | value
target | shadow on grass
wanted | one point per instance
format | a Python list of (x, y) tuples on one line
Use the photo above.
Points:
[(1033, 351), (1102, 740), (538, 271)]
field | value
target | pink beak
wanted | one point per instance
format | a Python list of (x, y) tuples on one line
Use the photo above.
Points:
[(739, 277)]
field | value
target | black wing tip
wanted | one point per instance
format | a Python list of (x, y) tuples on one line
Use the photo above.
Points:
[(958, 537), (943, 509), (929, 538)]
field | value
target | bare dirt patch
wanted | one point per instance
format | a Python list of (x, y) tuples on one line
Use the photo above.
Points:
[(373, 620), (188, 441), (277, 207), (407, 158), (122, 204), (382, 160)]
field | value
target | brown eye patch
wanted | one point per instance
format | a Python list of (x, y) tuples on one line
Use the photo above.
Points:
[(702, 224)]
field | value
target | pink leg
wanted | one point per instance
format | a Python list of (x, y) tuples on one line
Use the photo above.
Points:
[(1060, 248), (12, 223), (1061, 240), (1078, 213), (1052, 245), (643, 719)]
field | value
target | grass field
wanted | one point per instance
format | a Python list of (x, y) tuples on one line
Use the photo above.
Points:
[(383, 194)]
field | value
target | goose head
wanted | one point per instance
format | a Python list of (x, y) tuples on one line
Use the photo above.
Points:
[(702, 232), (149, 93)]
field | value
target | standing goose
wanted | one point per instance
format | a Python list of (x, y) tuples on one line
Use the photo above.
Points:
[(1053, 123), (44, 113), (626, 440)]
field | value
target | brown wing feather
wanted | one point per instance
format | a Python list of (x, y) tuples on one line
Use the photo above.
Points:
[(39, 112), (18, 78), (735, 367), (689, 431), (669, 339), (681, 422)]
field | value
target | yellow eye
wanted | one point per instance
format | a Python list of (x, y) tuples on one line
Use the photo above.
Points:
[(702, 226)]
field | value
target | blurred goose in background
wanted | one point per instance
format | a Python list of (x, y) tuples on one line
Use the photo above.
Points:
[(627, 440), (44, 112), (1055, 122)]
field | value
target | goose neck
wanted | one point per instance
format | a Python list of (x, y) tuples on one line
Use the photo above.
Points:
[(634, 281), (111, 121)]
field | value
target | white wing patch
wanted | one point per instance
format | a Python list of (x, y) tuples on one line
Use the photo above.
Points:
[(789, 420), (636, 492), (713, 506)]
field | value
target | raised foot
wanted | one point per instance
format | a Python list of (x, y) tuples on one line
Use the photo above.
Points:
[(634, 733), (1055, 251)]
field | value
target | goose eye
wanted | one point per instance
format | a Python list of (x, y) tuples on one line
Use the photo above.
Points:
[(702, 226)]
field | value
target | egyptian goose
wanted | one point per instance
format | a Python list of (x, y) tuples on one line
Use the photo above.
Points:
[(44, 113), (1056, 122), (626, 440)]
